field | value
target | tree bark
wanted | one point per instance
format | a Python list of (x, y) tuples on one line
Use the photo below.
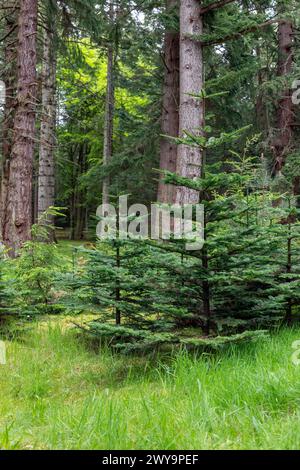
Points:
[(282, 142), (9, 77), (296, 189), (170, 111), (46, 175), (80, 198), (191, 114), (17, 221), (74, 158), (109, 113)]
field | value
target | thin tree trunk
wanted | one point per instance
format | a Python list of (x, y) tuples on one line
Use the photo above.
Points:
[(170, 111), (262, 119), (80, 195), (191, 114), (10, 79), (289, 266), (46, 176), (118, 283), (296, 189), (289, 307), (74, 157), (206, 298), (109, 113), (17, 221), (282, 142)]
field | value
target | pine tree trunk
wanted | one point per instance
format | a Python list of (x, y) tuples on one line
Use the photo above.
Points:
[(296, 189), (109, 114), (170, 111), (80, 195), (46, 175), (17, 221), (282, 142), (74, 158), (191, 114), (9, 77)]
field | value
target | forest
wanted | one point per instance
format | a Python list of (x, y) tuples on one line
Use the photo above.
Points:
[(149, 225)]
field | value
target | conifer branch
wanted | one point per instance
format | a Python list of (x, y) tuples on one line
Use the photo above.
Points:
[(242, 32), (215, 6)]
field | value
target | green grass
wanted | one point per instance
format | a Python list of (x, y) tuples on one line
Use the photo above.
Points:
[(58, 393)]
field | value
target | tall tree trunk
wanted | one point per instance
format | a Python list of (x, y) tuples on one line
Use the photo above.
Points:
[(17, 221), (206, 285), (109, 112), (170, 111), (9, 77), (282, 142), (191, 114), (46, 176), (296, 189), (80, 194), (74, 158), (262, 113)]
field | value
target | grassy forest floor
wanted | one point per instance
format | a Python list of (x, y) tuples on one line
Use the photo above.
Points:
[(59, 392)]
